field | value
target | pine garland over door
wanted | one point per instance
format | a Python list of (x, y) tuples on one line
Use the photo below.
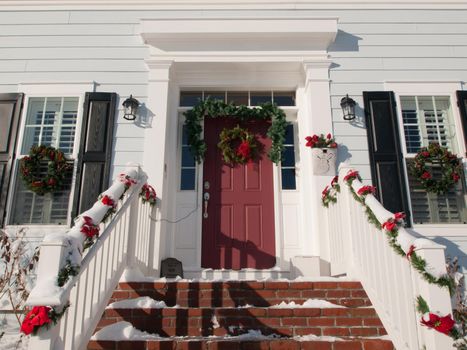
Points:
[(215, 108)]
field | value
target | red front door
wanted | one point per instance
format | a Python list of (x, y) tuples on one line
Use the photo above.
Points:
[(238, 231)]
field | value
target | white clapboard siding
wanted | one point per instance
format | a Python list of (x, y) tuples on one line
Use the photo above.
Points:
[(105, 77), (73, 53), (92, 65), (66, 29), (58, 40)]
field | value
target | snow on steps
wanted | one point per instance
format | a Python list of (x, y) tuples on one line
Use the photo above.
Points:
[(239, 293), (221, 315)]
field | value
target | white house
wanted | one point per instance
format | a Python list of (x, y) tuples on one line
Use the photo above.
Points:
[(67, 66)]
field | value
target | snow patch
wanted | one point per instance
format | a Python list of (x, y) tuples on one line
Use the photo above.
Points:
[(141, 302), (123, 331), (312, 337), (215, 323), (252, 335), (310, 303)]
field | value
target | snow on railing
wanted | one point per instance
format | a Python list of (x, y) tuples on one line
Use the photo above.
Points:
[(81, 282), (368, 242)]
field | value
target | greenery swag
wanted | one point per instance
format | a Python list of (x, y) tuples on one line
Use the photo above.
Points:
[(448, 163), (238, 146), (215, 108), (30, 169), (443, 324)]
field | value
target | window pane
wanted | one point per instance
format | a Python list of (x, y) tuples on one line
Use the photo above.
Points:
[(239, 98), (257, 98), (288, 157), (289, 135), (428, 119), (51, 121), (284, 98), (187, 158), (187, 181), (288, 160), (190, 98), (30, 208), (214, 95), (288, 179)]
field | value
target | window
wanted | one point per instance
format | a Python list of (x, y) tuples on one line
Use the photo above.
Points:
[(50, 121), (249, 98), (428, 119), (288, 160), (188, 165)]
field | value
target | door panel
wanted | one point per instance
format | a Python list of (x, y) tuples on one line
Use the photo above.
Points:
[(239, 230)]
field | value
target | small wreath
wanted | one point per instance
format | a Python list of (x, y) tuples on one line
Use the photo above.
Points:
[(30, 169), (448, 164), (238, 146)]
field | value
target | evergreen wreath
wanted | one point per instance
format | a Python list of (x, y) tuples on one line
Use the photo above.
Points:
[(56, 171), (212, 108), (448, 164), (238, 146)]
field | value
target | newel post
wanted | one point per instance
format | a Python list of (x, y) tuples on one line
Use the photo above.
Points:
[(133, 221), (50, 263), (438, 298)]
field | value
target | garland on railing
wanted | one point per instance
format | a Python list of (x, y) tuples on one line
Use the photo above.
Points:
[(41, 316), (391, 227), (329, 194), (83, 235), (443, 324)]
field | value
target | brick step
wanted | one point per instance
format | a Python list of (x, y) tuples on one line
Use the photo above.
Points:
[(209, 344), (240, 293), (231, 321)]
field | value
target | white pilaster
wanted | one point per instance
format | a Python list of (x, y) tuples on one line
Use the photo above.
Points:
[(155, 144), (316, 118)]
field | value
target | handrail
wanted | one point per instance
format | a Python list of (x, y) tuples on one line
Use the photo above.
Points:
[(362, 250), (89, 290)]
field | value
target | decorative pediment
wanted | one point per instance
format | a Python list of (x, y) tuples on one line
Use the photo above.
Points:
[(233, 35)]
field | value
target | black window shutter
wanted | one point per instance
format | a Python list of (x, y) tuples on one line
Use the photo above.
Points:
[(10, 112), (386, 161), (462, 103), (95, 149)]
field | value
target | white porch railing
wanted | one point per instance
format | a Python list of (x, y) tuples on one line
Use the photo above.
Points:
[(124, 241), (362, 251)]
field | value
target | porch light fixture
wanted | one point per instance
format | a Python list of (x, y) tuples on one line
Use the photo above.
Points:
[(131, 105), (348, 107)]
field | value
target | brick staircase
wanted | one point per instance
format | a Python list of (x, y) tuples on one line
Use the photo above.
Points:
[(209, 311)]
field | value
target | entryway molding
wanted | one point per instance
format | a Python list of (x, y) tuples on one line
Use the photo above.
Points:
[(283, 42)]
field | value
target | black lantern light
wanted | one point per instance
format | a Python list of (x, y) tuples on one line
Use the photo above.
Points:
[(348, 107), (131, 105)]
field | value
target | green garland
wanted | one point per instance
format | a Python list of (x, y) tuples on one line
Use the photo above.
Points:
[(417, 262), (448, 163), (236, 155), (215, 108)]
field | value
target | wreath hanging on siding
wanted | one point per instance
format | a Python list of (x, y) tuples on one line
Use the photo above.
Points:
[(447, 163), (215, 108), (238, 146), (32, 174)]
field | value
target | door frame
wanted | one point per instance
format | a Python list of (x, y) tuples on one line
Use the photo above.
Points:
[(174, 184)]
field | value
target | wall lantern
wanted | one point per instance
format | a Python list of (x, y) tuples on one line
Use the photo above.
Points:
[(348, 107), (131, 107)]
